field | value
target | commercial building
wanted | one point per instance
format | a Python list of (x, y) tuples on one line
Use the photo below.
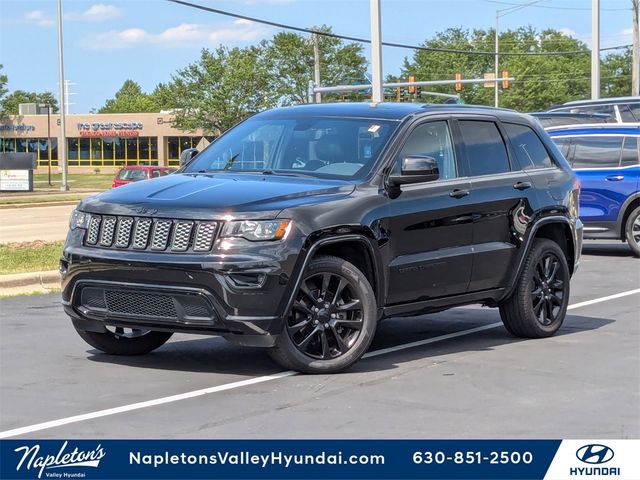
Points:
[(100, 141)]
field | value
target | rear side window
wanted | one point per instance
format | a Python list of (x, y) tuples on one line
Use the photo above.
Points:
[(596, 152), (485, 147), (530, 151), (635, 110), (629, 155)]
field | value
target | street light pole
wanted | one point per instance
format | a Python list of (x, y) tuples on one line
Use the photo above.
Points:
[(49, 141), (376, 52), (62, 137), (595, 49), (316, 65)]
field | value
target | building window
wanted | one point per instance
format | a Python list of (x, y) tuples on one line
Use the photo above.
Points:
[(176, 145)]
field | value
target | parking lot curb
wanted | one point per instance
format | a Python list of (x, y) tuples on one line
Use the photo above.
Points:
[(41, 204), (50, 278)]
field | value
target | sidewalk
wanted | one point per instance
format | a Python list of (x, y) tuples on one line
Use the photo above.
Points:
[(32, 282)]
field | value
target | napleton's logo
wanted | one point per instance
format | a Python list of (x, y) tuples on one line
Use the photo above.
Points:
[(32, 459), (594, 454)]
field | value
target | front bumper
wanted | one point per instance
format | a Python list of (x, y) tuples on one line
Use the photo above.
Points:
[(241, 290)]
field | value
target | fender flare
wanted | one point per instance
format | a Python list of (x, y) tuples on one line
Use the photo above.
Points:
[(528, 244), (349, 237), (623, 211)]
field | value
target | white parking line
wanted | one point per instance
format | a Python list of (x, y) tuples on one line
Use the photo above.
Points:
[(267, 378)]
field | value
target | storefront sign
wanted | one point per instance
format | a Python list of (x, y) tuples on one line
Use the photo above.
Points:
[(109, 129), (14, 180), (21, 127)]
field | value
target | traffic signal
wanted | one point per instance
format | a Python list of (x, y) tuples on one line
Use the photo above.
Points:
[(412, 88), (458, 85), (505, 82), (418, 91)]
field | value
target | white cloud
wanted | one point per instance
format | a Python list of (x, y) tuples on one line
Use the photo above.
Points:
[(39, 18), (100, 12), (182, 35), (567, 32)]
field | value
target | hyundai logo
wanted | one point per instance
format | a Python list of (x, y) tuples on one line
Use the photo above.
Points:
[(594, 454)]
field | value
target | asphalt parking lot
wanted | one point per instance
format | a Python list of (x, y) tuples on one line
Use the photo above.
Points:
[(465, 378)]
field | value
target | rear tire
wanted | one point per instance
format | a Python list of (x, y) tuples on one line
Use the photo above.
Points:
[(632, 231), (332, 320), (121, 342), (538, 305)]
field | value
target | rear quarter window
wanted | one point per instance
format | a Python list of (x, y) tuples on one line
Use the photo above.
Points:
[(530, 150), (629, 156)]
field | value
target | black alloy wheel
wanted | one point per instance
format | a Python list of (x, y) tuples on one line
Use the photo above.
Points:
[(547, 295), (538, 304), (326, 317), (332, 319), (632, 231)]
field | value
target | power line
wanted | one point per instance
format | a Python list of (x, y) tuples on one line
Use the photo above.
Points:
[(365, 40), (499, 2)]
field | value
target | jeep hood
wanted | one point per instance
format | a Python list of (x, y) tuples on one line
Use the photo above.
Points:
[(214, 195)]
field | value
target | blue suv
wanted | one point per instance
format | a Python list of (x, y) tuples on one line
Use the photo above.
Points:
[(605, 159)]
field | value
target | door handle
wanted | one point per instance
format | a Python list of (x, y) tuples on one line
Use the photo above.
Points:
[(459, 193), (615, 178), (522, 185)]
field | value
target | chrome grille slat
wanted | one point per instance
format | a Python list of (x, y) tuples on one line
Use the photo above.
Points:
[(93, 233), (108, 229), (141, 233), (181, 236), (205, 232), (124, 232), (158, 235)]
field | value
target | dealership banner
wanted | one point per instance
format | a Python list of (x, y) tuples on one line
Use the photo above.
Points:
[(358, 459)]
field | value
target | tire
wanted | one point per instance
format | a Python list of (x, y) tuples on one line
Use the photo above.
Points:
[(632, 231), (331, 322), (125, 341), (538, 305)]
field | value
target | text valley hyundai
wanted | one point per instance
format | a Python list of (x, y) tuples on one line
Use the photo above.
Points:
[(302, 227)]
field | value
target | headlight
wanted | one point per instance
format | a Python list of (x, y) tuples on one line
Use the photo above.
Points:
[(257, 230), (78, 219)]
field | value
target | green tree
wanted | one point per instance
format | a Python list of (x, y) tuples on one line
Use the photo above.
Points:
[(130, 99), (10, 103), (222, 88), (540, 80), (3, 84), (616, 74), (291, 61)]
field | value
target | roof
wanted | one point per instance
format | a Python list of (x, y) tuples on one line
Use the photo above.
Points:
[(595, 128), (601, 100), (383, 111)]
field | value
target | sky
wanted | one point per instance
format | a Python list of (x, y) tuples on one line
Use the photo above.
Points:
[(109, 41)]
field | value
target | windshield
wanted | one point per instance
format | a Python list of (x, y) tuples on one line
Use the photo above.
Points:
[(321, 146)]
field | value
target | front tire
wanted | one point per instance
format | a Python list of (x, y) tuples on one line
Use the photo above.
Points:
[(332, 320), (125, 341), (632, 231), (538, 305)]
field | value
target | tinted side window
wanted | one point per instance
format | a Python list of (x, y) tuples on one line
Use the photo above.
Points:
[(625, 113), (635, 110), (629, 155), (596, 152), (485, 147), (530, 151), (434, 140)]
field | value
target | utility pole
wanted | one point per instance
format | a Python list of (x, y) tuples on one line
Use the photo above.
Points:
[(635, 51), (496, 93), (62, 136), (376, 52), (595, 49), (316, 65)]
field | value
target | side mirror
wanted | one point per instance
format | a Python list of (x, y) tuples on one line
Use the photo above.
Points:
[(187, 155), (416, 169)]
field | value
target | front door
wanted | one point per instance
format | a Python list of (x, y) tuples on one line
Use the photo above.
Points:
[(430, 224)]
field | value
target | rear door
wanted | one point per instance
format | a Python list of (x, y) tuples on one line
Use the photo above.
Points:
[(502, 195), (604, 184)]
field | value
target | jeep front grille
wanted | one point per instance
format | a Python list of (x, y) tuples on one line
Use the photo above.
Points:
[(157, 235)]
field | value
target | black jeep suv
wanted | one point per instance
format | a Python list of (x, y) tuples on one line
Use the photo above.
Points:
[(302, 227)]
